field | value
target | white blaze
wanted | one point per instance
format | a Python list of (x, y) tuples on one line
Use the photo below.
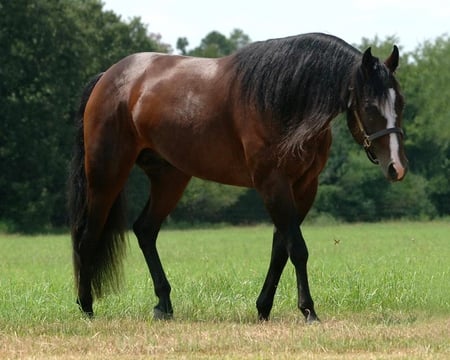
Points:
[(388, 111)]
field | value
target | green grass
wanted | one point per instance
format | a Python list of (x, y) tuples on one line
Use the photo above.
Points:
[(378, 288)]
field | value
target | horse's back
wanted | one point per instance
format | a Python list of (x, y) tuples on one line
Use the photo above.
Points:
[(180, 108)]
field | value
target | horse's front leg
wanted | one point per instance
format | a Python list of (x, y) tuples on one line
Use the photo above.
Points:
[(278, 261), (298, 253), (281, 204), (304, 194)]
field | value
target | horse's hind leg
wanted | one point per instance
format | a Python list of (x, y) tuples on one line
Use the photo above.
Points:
[(99, 251), (84, 253), (99, 243), (167, 186)]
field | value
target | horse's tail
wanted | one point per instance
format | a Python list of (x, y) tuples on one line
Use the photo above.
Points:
[(105, 257)]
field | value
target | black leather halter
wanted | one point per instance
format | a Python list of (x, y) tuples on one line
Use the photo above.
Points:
[(367, 139)]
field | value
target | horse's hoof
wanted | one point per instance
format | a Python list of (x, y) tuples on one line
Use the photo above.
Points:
[(312, 320), (89, 314), (311, 317), (86, 310), (161, 315)]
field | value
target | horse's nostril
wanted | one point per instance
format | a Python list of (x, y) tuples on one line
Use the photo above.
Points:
[(392, 172)]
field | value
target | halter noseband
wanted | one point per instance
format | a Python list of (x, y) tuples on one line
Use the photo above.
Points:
[(367, 139)]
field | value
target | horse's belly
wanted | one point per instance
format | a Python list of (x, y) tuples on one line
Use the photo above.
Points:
[(214, 163), (212, 155)]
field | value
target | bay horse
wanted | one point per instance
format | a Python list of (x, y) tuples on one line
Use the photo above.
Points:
[(259, 118)]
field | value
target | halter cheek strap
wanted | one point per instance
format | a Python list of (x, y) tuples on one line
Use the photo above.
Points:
[(367, 139)]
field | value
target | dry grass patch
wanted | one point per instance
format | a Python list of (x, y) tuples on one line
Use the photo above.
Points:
[(133, 339)]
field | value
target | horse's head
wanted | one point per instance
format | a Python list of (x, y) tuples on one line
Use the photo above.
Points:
[(375, 110)]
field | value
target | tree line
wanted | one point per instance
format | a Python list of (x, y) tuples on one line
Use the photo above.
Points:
[(50, 48)]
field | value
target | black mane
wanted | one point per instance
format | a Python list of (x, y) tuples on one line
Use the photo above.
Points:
[(301, 81)]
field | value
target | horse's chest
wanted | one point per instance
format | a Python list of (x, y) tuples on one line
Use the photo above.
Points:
[(309, 162)]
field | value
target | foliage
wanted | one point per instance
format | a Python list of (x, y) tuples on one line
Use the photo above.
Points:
[(352, 189), (51, 48), (215, 44), (204, 201), (426, 82)]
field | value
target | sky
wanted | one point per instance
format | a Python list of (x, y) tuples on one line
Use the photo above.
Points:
[(412, 21)]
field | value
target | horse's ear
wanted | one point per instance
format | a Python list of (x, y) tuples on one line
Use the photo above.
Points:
[(392, 61), (369, 62)]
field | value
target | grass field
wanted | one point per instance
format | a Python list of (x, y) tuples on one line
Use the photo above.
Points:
[(381, 290)]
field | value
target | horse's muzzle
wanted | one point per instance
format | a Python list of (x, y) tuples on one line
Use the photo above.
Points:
[(396, 172)]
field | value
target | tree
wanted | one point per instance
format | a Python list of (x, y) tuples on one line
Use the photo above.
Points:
[(206, 202), (49, 50), (382, 48), (215, 44), (426, 82), (238, 39), (182, 44)]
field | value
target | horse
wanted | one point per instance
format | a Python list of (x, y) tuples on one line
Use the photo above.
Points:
[(258, 118)]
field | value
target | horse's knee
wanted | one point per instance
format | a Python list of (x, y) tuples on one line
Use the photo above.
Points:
[(298, 254)]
